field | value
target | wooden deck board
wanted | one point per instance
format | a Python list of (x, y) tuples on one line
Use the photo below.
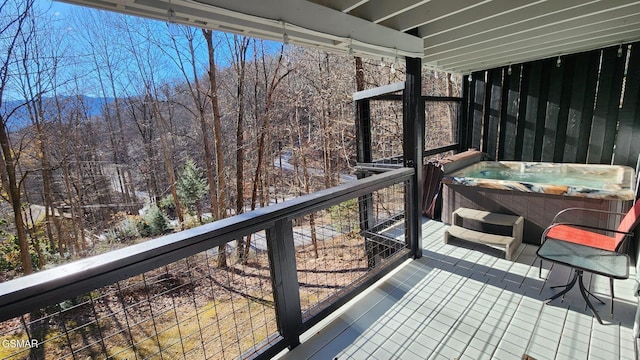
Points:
[(467, 302)]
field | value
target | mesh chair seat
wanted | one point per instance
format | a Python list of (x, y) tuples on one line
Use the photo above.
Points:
[(583, 237)]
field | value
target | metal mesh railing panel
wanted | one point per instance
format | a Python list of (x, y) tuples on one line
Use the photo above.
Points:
[(190, 309), (344, 254)]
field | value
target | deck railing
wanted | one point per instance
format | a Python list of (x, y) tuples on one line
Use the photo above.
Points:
[(168, 297)]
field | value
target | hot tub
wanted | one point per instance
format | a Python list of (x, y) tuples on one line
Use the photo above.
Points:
[(537, 191)]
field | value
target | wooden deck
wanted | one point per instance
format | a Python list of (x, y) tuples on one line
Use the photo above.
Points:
[(464, 301)]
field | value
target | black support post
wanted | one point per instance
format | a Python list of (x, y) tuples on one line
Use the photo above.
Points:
[(413, 145), (286, 291), (363, 131), (364, 155)]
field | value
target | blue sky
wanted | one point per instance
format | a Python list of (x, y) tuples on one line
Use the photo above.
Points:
[(71, 28), (56, 8), (78, 32)]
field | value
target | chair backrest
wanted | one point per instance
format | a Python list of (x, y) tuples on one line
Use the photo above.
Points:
[(628, 223)]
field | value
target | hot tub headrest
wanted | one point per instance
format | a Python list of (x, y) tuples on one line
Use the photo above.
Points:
[(460, 160)]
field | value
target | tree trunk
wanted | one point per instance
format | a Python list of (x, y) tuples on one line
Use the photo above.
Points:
[(326, 129), (359, 74), (168, 163), (122, 155), (36, 112), (10, 181), (146, 131), (76, 215), (307, 181), (270, 90), (195, 91), (33, 235), (217, 133), (450, 108), (241, 45), (13, 191)]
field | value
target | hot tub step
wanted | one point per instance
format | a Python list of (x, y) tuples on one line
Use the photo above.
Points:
[(510, 243), (486, 217)]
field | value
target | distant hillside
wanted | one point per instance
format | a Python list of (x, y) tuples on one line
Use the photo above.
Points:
[(91, 105)]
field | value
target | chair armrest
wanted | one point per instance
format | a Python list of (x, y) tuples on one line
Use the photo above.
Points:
[(562, 212)]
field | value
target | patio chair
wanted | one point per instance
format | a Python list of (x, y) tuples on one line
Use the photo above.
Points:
[(594, 236)]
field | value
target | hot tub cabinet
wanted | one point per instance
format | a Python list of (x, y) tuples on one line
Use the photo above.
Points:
[(608, 188)]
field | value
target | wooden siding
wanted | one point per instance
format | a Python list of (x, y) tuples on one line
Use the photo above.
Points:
[(581, 108)]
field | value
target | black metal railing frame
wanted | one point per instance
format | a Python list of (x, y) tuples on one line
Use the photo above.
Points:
[(48, 287)]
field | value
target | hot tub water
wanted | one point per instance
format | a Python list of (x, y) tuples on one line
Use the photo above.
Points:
[(592, 177)]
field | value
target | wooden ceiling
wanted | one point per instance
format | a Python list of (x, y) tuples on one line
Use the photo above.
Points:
[(453, 35)]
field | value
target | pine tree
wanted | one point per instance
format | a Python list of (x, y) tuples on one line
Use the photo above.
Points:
[(192, 187)]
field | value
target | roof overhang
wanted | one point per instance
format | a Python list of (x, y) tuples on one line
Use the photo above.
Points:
[(453, 35), (305, 23)]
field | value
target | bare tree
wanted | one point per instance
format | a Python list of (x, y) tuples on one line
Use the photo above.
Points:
[(197, 91), (69, 158), (217, 133), (307, 183), (140, 113), (98, 36), (40, 57), (272, 79), (147, 65), (13, 18), (239, 62)]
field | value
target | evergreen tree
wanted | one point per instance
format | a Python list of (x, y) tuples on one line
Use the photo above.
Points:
[(157, 221), (192, 187)]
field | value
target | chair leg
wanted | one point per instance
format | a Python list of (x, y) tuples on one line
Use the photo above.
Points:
[(611, 290), (540, 270)]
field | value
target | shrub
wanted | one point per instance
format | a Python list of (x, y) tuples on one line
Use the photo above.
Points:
[(128, 229), (344, 216), (144, 229), (156, 220), (9, 254), (167, 205), (153, 222)]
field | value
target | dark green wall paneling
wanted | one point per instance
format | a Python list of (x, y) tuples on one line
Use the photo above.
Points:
[(580, 113), (605, 114), (628, 140), (531, 108), (477, 109), (543, 103), (574, 111), (508, 123), (493, 100)]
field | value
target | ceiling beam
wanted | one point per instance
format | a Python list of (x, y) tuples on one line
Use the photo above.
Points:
[(532, 32), (340, 5), (431, 11), (380, 10), (486, 18), (544, 42), (489, 61)]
